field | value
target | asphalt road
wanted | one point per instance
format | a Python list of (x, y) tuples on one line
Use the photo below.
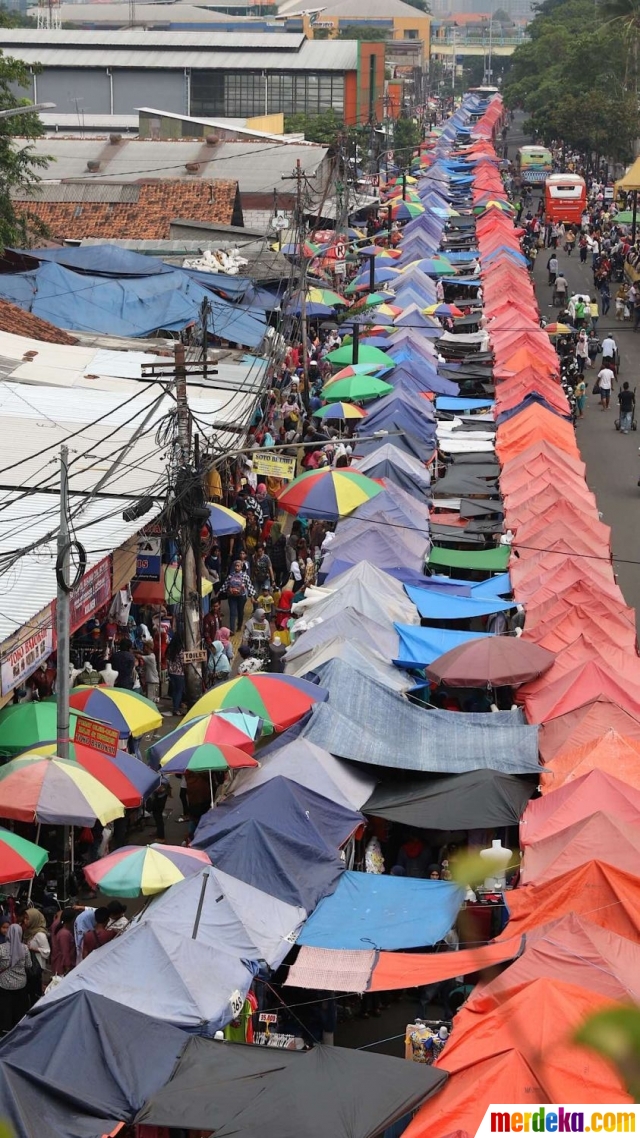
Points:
[(612, 459)]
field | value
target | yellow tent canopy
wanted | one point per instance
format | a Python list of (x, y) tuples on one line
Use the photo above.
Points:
[(631, 180)]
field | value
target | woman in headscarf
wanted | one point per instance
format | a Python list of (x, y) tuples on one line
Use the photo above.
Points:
[(14, 998), (34, 935)]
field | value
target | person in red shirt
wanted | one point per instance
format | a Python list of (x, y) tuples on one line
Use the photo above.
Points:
[(100, 935), (63, 945)]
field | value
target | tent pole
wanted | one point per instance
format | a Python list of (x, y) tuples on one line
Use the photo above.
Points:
[(196, 923), (211, 786), (37, 843)]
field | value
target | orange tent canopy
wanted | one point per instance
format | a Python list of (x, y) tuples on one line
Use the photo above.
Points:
[(578, 799), (572, 949), (546, 586), (550, 497), (587, 681), (584, 724), (619, 662), (520, 1052), (613, 753), (411, 969), (605, 894), (542, 449), (556, 635), (551, 562), (578, 531), (600, 836), (558, 480)]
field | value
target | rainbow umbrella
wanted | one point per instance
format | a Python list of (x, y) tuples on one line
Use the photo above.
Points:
[(128, 712), (327, 494), (23, 724), (230, 728), (389, 310), (306, 249), (20, 860), (279, 700), (432, 266), (208, 757), (559, 329), (340, 411), (380, 251), (396, 195), (355, 369), (224, 521), (366, 355), (326, 296), (141, 871), (123, 774), (405, 211), (409, 180), (359, 387), (372, 300), (442, 310), (38, 788)]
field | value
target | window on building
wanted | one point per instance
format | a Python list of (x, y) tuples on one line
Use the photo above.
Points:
[(301, 92), (207, 94), (411, 34)]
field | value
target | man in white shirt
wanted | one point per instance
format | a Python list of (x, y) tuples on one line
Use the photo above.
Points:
[(609, 351), (605, 382)]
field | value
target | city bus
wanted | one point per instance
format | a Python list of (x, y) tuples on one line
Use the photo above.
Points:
[(534, 164), (565, 198)]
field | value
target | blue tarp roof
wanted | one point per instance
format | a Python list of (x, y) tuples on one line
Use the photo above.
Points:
[(462, 403), (436, 606), (135, 307), (155, 970), (355, 724), (298, 872), (419, 647), (101, 260), (370, 910), (84, 1051)]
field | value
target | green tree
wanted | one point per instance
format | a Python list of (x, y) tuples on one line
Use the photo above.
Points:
[(361, 32), (11, 19), (19, 163), (406, 136), (323, 128)]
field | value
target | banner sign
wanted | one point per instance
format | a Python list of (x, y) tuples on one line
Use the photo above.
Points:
[(276, 465), (149, 559), (99, 736), (30, 650), (92, 593)]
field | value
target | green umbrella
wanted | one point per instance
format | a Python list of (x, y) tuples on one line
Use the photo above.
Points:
[(372, 300), (367, 354), (359, 387), (24, 724), (625, 217)]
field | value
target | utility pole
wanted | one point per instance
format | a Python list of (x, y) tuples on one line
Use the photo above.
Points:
[(63, 564), (303, 287), (190, 593), (205, 312)]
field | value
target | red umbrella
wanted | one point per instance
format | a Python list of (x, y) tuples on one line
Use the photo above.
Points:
[(495, 660)]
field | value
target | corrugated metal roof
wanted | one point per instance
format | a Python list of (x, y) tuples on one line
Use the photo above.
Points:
[(118, 15), (255, 165), (30, 585), (80, 192), (88, 39), (314, 55)]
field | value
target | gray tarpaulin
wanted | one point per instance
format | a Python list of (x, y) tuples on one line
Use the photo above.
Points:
[(367, 723)]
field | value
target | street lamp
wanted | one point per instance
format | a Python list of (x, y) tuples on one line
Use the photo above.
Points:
[(27, 110)]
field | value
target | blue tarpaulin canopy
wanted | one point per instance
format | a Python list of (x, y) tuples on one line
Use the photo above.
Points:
[(100, 260), (225, 913), (295, 871), (370, 910), (462, 403), (419, 647), (437, 606), (156, 970), (355, 724), (84, 1052), (126, 306)]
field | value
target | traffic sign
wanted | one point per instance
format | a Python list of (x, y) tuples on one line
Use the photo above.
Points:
[(340, 250), (340, 268)]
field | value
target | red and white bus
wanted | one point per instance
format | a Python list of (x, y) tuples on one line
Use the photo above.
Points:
[(565, 198)]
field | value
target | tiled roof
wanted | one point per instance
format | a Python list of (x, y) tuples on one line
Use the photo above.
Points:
[(21, 323), (147, 216)]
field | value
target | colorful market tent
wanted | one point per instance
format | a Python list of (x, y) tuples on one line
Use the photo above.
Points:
[(611, 753), (373, 910), (357, 655), (601, 836), (229, 1089), (477, 799), (577, 800), (572, 949), (603, 893), (365, 588), (493, 560), (440, 607), (589, 721), (418, 647)]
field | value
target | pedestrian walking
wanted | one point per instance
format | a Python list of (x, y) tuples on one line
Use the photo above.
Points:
[(582, 352), (605, 296), (175, 671), (14, 959), (627, 402), (605, 383), (237, 588)]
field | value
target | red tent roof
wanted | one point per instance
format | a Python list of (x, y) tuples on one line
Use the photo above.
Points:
[(615, 754), (591, 720), (605, 894), (577, 800), (587, 681), (601, 836)]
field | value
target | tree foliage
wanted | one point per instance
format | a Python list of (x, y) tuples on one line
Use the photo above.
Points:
[(19, 163), (575, 78), (323, 128), (362, 32)]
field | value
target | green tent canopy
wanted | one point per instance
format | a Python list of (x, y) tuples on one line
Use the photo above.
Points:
[(492, 560)]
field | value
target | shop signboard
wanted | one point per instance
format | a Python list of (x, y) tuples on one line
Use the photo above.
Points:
[(98, 736), (29, 648), (276, 465), (93, 592)]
